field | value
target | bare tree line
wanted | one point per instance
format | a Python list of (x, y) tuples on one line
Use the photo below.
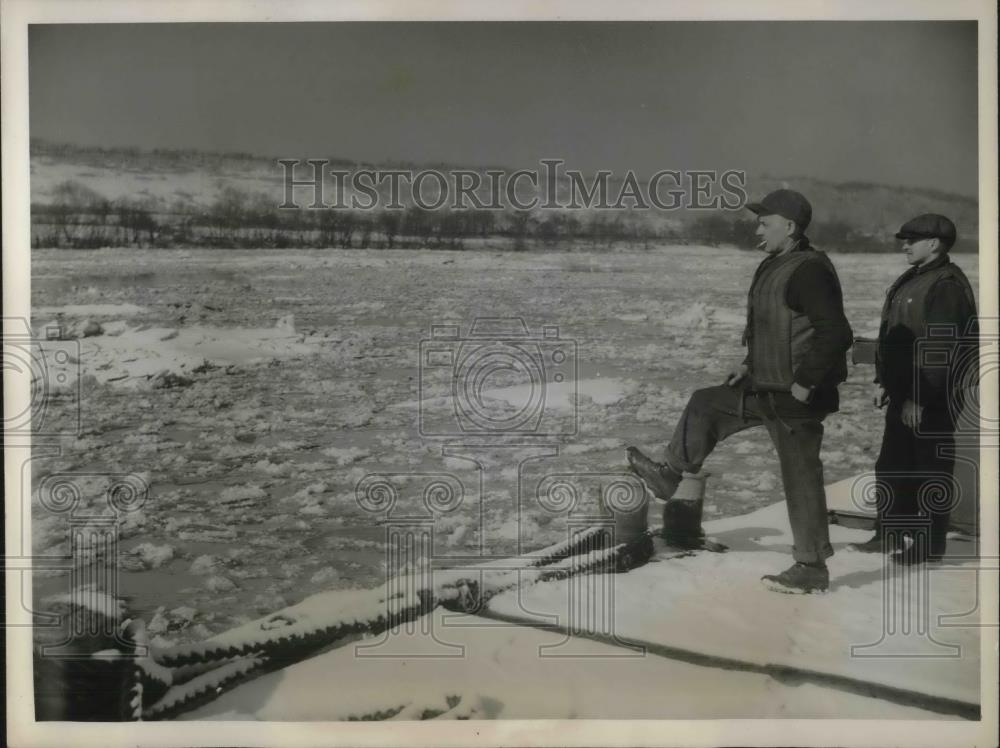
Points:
[(78, 217)]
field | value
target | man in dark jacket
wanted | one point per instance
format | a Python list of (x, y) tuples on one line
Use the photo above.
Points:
[(928, 339), (797, 338)]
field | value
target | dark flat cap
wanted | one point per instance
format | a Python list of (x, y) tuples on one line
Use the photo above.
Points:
[(929, 226), (787, 204)]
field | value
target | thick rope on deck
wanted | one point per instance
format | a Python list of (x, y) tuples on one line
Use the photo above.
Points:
[(199, 672), (203, 688)]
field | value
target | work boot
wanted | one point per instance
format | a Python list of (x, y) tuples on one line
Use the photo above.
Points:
[(799, 579), (661, 479)]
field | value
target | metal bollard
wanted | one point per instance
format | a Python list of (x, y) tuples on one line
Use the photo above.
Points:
[(629, 517), (629, 526)]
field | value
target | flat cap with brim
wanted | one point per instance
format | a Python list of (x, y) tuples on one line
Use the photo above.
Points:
[(787, 204), (929, 226)]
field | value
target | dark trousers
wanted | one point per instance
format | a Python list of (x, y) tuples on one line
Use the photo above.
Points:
[(915, 474), (714, 413)]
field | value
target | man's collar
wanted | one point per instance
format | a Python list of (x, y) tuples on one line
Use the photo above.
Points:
[(797, 244), (937, 262)]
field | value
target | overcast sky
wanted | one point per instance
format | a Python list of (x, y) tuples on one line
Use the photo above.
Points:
[(885, 102)]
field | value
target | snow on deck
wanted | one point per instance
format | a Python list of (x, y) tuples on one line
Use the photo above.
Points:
[(472, 668), (878, 623), (457, 666)]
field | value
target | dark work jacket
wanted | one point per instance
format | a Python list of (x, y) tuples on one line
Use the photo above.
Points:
[(928, 337), (796, 328)]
